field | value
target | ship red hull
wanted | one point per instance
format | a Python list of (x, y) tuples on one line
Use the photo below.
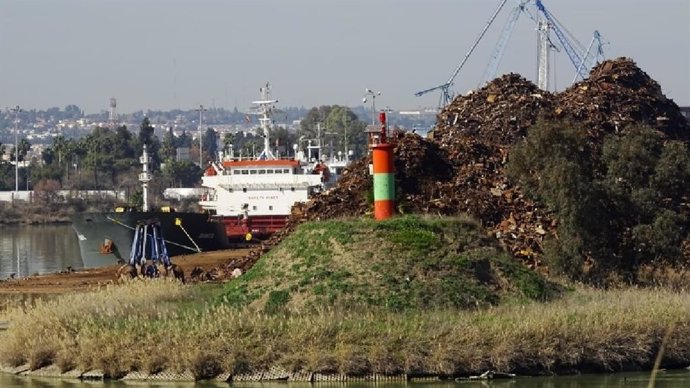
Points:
[(237, 228)]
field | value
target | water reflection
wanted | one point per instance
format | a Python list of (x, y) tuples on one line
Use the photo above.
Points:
[(670, 379), (27, 250)]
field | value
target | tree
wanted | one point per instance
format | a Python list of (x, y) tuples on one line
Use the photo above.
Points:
[(310, 123), (210, 140), (99, 152), (184, 140), (73, 112), (24, 146), (347, 129), (182, 173), (147, 137), (335, 125), (47, 193), (167, 151)]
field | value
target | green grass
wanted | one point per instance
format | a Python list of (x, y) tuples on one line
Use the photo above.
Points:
[(404, 263)]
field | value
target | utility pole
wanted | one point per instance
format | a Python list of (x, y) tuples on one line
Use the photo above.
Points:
[(16, 111), (201, 111)]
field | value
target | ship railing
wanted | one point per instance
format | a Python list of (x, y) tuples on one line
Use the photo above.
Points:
[(284, 186), (240, 158)]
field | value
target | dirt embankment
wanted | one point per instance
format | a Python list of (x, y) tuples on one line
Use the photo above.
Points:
[(83, 280)]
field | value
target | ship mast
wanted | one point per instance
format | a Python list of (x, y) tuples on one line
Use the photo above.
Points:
[(145, 178), (265, 106)]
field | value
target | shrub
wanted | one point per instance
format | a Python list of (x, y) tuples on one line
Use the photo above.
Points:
[(618, 202)]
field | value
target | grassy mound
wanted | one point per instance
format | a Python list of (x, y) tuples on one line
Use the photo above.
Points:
[(400, 264)]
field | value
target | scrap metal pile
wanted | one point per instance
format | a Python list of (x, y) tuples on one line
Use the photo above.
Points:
[(461, 167), (616, 94)]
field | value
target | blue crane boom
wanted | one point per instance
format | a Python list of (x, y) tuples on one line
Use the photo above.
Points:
[(507, 32), (591, 57), (445, 95)]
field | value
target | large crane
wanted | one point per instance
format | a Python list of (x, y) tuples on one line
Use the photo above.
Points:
[(445, 94), (577, 54), (595, 53), (503, 39)]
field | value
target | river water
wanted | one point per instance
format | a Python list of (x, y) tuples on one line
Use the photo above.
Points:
[(26, 250), (671, 379)]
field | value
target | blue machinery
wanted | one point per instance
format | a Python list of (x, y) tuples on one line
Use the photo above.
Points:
[(148, 249), (582, 59)]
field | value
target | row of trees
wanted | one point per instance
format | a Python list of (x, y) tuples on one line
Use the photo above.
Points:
[(108, 159)]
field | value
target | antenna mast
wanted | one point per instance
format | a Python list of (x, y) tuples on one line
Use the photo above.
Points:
[(112, 117), (265, 106)]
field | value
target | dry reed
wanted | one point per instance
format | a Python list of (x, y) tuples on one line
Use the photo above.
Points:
[(138, 326)]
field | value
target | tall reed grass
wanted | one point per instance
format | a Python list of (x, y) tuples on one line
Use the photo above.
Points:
[(139, 326)]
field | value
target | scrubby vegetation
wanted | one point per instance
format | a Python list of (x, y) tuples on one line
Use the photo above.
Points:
[(400, 264), (621, 206), (162, 325)]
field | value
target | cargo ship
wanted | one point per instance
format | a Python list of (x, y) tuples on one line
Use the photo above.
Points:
[(106, 237), (253, 197)]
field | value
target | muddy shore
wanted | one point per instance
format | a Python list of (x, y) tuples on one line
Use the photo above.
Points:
[(86, 279)]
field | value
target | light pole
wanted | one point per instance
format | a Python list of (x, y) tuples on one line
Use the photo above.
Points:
[(201, 111), (16, 111), (373, 94)]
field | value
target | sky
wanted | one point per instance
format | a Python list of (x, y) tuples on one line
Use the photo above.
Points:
[(179, 54)]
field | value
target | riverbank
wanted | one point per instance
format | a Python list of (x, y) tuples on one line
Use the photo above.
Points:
[(84, 280), (129, 329)]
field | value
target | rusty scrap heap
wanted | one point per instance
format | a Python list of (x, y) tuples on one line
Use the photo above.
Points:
[(461, 167), (616, 94)]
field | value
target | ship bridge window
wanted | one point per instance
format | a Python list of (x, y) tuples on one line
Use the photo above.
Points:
[(286, 171), (245, 172), (252, 172), (262, 172), (269, 171), (236, 172)]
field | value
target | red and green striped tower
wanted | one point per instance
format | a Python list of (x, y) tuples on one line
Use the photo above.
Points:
[(384, 175)]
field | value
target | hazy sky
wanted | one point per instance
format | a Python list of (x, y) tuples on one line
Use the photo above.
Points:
[(164, 54)]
